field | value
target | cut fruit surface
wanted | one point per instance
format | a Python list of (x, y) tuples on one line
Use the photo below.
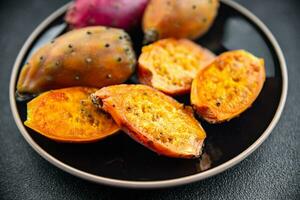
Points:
[(68, 115), (228, 86), (170, 65), (153, 119)]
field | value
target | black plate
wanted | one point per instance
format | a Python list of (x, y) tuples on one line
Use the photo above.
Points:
[(119, 157)]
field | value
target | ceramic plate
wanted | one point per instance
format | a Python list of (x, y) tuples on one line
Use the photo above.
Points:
[(120, 161)]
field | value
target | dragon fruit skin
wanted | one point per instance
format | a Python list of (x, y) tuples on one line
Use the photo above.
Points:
[(115, 13)]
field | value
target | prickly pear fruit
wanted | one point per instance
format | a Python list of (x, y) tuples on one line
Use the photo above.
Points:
[(228, 86), (68, 115), (92, 56), (153, 119), (170, 65), (117, 13), (178, 18)]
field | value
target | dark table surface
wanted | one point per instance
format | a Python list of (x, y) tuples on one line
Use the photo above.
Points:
[(271, 172)]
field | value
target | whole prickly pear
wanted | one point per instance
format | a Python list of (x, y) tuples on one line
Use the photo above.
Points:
[(115, 13), (178, 18), (92, 56)]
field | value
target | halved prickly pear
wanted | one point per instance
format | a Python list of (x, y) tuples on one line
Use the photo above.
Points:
[(228, 86), (68, 115), (153, 119), (170, 65)]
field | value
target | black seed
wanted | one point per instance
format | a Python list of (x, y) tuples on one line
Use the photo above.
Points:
[(113, 105), (236, 79), (52, 41), (82, 102), (218, 104), (194, 7), (70, 46), (120, 37), (119, 59), (41, 58), (89, 32), (108, 76), (69, 115), (106, 45)]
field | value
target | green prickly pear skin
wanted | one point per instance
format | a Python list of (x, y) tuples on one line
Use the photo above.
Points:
[(94, 56)]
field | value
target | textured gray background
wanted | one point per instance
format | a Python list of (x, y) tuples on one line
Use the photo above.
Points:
[(272, 172)]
